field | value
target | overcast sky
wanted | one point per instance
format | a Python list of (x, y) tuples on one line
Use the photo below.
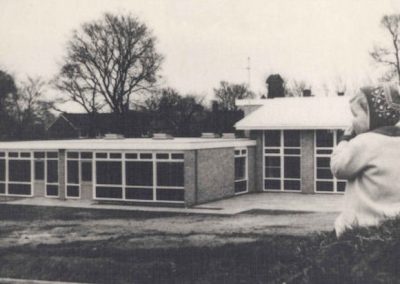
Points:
[(206, 41)]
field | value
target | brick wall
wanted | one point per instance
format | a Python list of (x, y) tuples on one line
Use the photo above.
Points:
[(251, 164), (259, 156), (215, 174), (307, 161)]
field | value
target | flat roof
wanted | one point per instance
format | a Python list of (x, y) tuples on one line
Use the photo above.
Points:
[(297, 113), (128, 144)]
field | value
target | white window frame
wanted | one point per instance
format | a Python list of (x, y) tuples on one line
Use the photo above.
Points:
[(123, 185), (317, 155), (281, 154), (243, 153), (46, 183), (7, 180), (80, 160)]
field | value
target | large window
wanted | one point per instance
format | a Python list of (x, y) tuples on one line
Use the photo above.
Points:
[(79, 170), (325, 140), (241, 171), (16, 173), (51, 170), (140, 176), (282, 157)]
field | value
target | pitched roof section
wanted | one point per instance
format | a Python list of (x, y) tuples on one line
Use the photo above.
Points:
[(297, 113)]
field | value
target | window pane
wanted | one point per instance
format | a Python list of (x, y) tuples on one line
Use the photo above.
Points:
[(2, 154), (170, 174), (139, 173), (341, 186), (39, 170), (162, 156), (109, 172), (339, 135), (273, 172), (2, 188), (324, 186), (39, 155), (13, 154), (146, 156), (324, 151), (109, 192), (86, 171), (272, 138), (19, 170), (323, 162), (86, 155), (291, 138), (168, 194), (272, 161), (115, 155), (52, 155), (101, 155), (240, 168), (2, 170), (73, 155), (131, 156), (272, 184), (324, 138), (292, 151), (52, 171), (240, 186), (73, 172), (19, 189), (52, 190), (177, 156), (73, 191), (291, 185), (324, 174), (272, 151), (139, 193), (25, 155), (292, 167)]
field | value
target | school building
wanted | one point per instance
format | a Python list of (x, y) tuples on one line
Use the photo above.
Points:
[(287, 150)]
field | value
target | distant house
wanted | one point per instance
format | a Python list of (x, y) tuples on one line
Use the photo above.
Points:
[(295, 138), (78, 125)]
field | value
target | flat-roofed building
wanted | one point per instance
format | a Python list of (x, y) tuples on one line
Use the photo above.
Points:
[(177, 171)]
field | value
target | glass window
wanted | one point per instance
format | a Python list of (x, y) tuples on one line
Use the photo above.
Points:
[(109, 192), (272, 184), (291, 138), (139, 173), (52, 171), (115, 155), (39, 170), (240, 186), (19, 170), (177, 156), (292, 167), (25, 155), (292, 184), (39, 155), (108, 172), (13, 154), (324, 186), (240, 168), (73, 172), (2, 170), (169, 194), (73, 155), (272, 138), (139, 193), (86, 155), (162, 156), (52, 190), (52, 155), (131, 156), (169, 174), (19, 189), (86, 171), (73, 191), (101, 155), (2, 188), (146, 156), (324, 138)]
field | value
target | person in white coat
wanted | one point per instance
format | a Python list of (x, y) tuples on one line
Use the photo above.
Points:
[(368, 157)]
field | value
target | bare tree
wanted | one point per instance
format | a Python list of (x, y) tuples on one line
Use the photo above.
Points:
[(227, 93), (107, 62), (388, 55), (296, 88)]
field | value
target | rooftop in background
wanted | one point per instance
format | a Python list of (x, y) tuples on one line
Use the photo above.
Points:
[(296, 113), (128, 144)]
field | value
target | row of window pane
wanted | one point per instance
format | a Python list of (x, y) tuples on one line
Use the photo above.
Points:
[(162, 194), (240, 174), (291, 138)]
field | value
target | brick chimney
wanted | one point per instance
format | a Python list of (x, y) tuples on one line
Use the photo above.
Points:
[(307, 93)]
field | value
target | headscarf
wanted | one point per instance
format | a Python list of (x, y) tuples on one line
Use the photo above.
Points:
[(383, 105)]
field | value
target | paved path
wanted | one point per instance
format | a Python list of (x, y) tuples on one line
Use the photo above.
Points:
[(238, 204)]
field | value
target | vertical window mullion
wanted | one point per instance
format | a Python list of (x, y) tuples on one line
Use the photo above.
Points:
[(282, 161), (123, 161), (154, 178)]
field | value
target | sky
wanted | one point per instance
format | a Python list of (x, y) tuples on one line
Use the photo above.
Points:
[(325, 43)]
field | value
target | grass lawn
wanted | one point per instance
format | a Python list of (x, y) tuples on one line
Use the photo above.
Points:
[(101, 246)]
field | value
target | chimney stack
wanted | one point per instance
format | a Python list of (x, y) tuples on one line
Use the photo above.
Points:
[(307, 93), (340, 94)]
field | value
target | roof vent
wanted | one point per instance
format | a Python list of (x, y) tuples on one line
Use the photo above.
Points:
[(162, 136), (113, 136), (228, 135), (209, 135)]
